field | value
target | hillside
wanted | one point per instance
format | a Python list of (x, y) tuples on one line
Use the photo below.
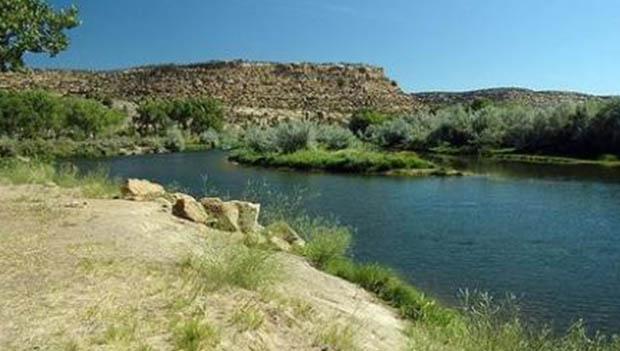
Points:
[(251, 90), (264, 92), (503, 95)]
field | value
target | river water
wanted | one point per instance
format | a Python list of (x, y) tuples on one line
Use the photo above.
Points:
[(549, 235)]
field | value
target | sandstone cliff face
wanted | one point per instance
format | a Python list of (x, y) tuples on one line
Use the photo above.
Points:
[(262, 92)]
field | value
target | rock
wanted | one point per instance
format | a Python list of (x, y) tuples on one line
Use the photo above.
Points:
[(233, 216), (165, 204), (190, 209), (280, 244), (140, 190), (284, 231), (254, 239), (225, 213), (248, 216)]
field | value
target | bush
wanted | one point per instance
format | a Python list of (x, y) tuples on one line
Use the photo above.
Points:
[(294, 136), (175, 141), (362, 119), (261, 140), (326, 243), (334, 137), (210, 137), (395, 133)]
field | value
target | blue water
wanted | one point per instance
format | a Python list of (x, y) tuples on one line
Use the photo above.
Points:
[(549, 235)]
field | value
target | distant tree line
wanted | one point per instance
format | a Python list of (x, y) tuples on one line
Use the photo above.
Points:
[(589, 128)]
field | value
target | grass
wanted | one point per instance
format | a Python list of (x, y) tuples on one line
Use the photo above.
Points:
[(195, 335), (248, 317), (488, 325), (95, 184), (236, 266), (336, 336), (346, 161), (603, 160), (327, 244)]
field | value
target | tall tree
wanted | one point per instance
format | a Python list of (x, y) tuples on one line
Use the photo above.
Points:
[(32, 26)]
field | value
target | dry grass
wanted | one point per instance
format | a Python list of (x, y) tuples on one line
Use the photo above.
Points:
[(113, 275)]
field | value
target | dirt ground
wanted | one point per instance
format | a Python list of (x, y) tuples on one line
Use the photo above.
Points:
[(87, 274)]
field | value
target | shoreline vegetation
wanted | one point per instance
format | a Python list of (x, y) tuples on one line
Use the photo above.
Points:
[(44, 125), (480, 323), (567, 134)]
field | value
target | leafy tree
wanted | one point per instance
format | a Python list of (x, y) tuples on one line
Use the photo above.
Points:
[(32, 26)]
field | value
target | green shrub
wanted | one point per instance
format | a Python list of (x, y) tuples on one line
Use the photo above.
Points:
[(174, 141), (294, 136), (334, 137), (261, 140), (364, 118), (326, 243), (395, 133), (210, 137)]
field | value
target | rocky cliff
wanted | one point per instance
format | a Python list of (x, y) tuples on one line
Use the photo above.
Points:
[(251, 90)]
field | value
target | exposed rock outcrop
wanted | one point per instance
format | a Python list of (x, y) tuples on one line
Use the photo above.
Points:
[(283, 236), (233, 216), (187, 207), (252, 91), (140, 190)]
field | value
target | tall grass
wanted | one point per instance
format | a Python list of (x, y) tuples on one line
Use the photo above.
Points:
[(235, 266), (489, 324), (94, 184)]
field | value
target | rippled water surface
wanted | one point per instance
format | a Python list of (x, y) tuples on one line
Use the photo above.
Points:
[(550, 235)]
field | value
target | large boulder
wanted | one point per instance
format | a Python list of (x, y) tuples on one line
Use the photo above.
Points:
[(248, 216), (187, 207), (225, 213), (282, 232), (233, 216), (140, 190)]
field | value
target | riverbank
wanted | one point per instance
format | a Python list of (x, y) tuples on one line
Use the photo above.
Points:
[(510, 155), (344, 161), (139, 251), (84, 272)]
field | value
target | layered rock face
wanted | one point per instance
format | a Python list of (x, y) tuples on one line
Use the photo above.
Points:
[(257, 92)]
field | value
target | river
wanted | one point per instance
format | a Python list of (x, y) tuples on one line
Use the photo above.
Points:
[(550, 235)]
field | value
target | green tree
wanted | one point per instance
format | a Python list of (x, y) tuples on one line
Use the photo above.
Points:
[(32, 26)]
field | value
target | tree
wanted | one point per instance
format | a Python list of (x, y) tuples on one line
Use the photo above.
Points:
[(32, 26)]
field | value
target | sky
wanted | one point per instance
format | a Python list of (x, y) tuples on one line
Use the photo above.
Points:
[(431, 45)]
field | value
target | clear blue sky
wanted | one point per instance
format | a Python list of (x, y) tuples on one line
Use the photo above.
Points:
[(424, 45)]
